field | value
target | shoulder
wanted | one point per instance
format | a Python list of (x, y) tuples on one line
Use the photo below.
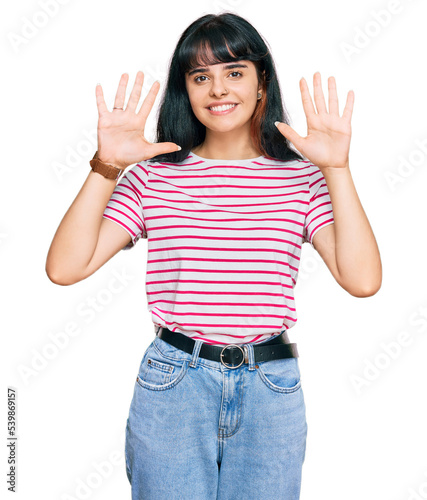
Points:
[(136, 175), (141, 168), (313, 172)]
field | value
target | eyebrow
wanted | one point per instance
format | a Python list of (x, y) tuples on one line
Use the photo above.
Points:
[(226, 66)]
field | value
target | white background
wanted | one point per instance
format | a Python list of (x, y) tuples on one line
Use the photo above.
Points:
[(367, 441)]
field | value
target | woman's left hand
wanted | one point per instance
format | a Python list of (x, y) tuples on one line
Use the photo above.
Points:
[(327, 143)]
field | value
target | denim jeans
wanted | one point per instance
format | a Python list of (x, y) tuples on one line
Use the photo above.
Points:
[(199, 430)]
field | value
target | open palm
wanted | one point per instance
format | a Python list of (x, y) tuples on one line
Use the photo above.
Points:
[(328, 135), (121, 139)]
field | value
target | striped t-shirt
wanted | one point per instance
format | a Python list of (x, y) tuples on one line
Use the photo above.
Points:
[(224, 241)]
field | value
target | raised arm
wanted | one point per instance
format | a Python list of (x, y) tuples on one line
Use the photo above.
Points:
[(85, 240), (348, 246)]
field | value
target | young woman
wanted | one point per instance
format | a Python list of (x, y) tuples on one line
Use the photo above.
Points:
[(225, 204)]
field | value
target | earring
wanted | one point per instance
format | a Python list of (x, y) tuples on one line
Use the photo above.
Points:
[(259, 95)]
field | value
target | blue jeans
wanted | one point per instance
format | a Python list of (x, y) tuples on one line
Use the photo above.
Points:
[(199, 430)]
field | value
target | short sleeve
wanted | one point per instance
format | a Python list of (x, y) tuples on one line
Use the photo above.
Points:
[(126, 203), (319, 212)]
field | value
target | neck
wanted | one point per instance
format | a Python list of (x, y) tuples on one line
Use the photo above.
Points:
[(227, 146)]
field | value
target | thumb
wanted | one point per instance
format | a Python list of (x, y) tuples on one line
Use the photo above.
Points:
[(289, 133), (160, 148)]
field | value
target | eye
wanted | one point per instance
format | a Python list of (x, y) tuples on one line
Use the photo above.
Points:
[(235, 74)]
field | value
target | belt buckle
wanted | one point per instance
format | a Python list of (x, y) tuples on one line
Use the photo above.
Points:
[(244, 356)]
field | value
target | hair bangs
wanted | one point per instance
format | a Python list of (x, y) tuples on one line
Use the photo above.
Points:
[(213, 45)]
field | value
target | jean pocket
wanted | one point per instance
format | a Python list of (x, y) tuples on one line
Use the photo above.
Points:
[(281, 375), (159, 372)]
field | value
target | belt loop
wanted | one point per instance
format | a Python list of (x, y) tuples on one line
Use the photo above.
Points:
[(195, 356), (251, 357)]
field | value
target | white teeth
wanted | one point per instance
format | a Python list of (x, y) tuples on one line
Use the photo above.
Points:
[(222, 108)]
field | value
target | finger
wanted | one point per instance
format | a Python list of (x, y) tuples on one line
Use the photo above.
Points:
[(159, 148), (318, 94), (333, 97), (290, 134), (148, 103), (119, 101), (100, 102), (307, 103), (136, 92), (348, 110)]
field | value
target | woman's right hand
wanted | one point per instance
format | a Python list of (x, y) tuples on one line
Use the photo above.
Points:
[(121, 140)]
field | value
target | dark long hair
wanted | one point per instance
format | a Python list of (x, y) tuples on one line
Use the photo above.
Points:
[(213, 39)]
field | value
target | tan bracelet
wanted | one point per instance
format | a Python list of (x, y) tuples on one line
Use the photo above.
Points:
[(105, 169)]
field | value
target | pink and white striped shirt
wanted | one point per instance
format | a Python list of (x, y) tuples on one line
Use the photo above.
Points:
[(224, 241)]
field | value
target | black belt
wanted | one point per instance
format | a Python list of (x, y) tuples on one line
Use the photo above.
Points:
[(277, 348)]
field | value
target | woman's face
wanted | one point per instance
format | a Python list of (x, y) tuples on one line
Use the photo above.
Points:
[(223, 96)]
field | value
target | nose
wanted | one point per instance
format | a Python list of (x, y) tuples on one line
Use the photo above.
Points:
[(218, 88)]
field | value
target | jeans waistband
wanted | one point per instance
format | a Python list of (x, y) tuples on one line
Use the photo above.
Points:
[(233, 355)]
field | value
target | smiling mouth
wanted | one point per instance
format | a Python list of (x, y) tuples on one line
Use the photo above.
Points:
[(224, 107)]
